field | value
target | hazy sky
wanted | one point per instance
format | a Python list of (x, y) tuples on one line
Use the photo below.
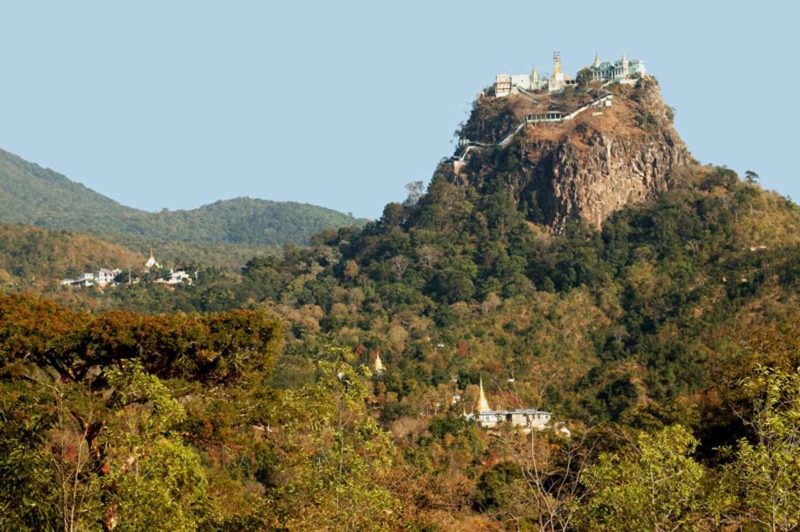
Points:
[(180, 103)]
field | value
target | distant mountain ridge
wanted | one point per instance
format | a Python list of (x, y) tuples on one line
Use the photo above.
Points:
[(32, 195)]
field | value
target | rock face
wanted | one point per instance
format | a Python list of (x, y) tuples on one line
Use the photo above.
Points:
[(592, 183), (581, 169)]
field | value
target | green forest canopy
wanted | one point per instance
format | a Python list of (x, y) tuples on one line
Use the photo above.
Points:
[(32, 195)]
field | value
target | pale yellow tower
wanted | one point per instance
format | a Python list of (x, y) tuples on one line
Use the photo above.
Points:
[(556, 64), (483, 404)]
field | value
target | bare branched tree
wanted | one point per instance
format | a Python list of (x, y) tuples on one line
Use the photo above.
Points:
[(551, 464), (69, 453)]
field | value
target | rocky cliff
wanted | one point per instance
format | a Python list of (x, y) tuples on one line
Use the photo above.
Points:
[(620, 150)]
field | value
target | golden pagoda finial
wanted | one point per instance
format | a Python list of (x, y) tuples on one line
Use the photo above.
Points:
[(556, 63), (483, 404), (378, 365)]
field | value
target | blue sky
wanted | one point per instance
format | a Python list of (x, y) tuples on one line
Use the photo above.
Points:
[(177, 104)]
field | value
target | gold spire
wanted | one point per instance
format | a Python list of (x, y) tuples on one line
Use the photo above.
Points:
[(378, 365), (596, 59), (556, 63), (483, 404)]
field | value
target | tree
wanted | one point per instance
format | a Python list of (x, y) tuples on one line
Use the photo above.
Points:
[(653, 484), (553, 467), (74, 460), (77, 485), (89, 434), (332, 455), (351, 270), (398, 265), (29, 499), (80, 347), (584, 77), (751, 177), (764, 479), (126, 276), (428, 255), (415, 189), (501, 492), (151, 480)]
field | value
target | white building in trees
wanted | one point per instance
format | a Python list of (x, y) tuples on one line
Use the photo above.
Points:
[(527, 418)]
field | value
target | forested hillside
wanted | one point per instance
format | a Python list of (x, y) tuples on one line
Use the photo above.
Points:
[(461, 285), (665, 342), (33, 195), (660, 332), (31, 257)]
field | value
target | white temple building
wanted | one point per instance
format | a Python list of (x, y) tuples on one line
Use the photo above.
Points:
[(103, 277), (608, 71), (527, 418), (176, 277), (616, 70)]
